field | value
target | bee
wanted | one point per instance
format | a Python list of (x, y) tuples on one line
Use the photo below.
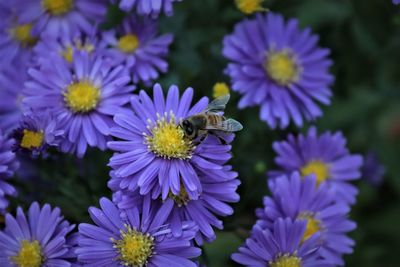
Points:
[(210, 121)]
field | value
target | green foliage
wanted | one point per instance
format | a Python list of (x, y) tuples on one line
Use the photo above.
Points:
[(364, 37)]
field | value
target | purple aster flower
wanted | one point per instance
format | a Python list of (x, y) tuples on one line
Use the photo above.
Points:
[(153, 152), (37, 131), (136, 44), (141, 239), (16, 41), (83, 98), (325, 156), (280, 246), (279, 67), (212, 202), (372, 169), (61, 17), (8, 165), (301, 199), (396, 2), (64, 47), (38, 239), (11, 85), (151, 8)]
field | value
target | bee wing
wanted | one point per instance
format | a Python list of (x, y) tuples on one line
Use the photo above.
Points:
[(218, 104), (229, 125)]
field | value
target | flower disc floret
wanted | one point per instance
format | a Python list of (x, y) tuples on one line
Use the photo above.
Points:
[(29, 255), (58, 7), (82, 96), (167, 139)]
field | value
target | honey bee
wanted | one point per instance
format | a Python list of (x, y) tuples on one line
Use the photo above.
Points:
[(210, 121)]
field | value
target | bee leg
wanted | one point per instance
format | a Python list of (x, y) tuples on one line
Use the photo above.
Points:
[(222, 140), (200, 139)]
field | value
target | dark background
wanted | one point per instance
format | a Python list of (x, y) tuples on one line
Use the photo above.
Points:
[(364, 37)]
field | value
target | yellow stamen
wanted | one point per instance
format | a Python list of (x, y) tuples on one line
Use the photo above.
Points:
[(182, 198), (282, 67), (57, 7), (168, 140), (220, 89), (128, 43), (82, 96), (135, 248), (67, 54), (318, 168), (29, 255), (249, 6), (313, 225), (23, 34), (31, 139), (286, 261)]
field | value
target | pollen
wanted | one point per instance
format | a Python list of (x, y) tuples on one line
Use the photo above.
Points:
[(81, 97), (57, 7), (282, 67), (249, 6), (220, 89), (312, 227), (318, 168), (286, 261), (182, 198), (23, 34), (31, 139), (128, 43), (167, 139), (29, 255), (135, 248)]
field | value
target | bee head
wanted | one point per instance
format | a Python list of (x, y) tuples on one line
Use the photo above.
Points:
[(188, 128)]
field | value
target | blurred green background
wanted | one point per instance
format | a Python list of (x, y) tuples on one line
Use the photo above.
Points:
[(364, 37)]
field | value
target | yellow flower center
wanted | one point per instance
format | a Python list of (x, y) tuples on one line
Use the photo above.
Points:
[(57, 7), (31, 140), (318, 168), (249, 6), (313, 225), (128, 43), (22, 34), (29, 255), (220, 89), (182, 198), (168, 140), (67, 54), (134, 247), (286, 261), (282, 67), (82, 96)]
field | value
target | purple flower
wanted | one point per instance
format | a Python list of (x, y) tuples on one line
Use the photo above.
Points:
[(372, 170), (153, 152), (141, 239), (16, 40), (325, 156), (151, 8), (61, 17), (136, 44), (212, 202), (280, 246), (11, 85), (8, 165), (301, 199), (37, 131), (38, 239), (279, 67), (64, 47), (82, 98), (396, 2)]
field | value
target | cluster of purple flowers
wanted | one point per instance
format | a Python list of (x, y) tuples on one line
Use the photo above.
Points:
[(71, 86), (311, 198)]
